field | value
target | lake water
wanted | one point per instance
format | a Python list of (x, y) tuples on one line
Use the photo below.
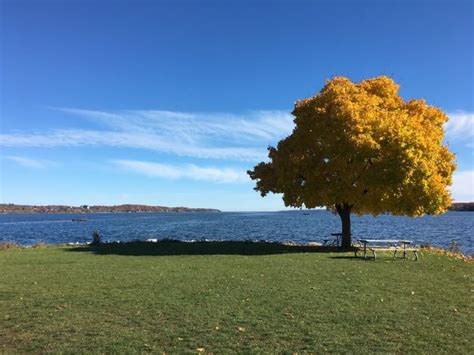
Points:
[(296, 226)]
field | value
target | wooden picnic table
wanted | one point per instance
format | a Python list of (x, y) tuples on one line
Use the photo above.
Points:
[(394, 245)]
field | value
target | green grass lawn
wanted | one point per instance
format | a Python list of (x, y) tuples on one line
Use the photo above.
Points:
[(227, 297)]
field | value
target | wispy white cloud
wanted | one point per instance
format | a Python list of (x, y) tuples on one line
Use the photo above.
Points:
[(30, 163), (189, 171), (463, 186), (460, 125), (193, 126), (68, 138), (202, 135)]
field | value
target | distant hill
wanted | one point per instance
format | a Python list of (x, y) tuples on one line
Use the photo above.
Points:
[(12, 208), (462, 206)]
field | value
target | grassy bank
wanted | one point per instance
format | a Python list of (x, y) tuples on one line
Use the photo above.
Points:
[(221, 297)]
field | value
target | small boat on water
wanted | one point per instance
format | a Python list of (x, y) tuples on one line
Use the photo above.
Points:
[(79, 219)]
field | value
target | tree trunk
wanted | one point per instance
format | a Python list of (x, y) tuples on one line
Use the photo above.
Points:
[(344, 212)]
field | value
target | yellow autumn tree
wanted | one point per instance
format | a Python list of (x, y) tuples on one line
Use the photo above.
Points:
[(360, 148)]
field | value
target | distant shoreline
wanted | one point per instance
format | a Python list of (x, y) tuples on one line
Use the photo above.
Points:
[(11, 208), (462, 206)]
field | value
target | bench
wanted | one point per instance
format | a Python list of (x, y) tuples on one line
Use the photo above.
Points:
[(391, 245), (395, 250)]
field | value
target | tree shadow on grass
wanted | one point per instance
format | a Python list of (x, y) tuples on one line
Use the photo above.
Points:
[(350, 257), (163, 248)]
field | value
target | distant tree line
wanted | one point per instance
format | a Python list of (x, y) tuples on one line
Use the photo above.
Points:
[(12, 208), (462, 206)]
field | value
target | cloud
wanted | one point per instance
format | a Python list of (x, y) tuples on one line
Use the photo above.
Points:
[(201, 135), (30, 163), (460, 125), (192, 126), (189, 171), (148, 141), (463, 186)]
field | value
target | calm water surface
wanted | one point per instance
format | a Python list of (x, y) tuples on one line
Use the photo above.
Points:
[(297, 226)]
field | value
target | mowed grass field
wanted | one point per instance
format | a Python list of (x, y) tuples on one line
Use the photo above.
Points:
[(231, 297)]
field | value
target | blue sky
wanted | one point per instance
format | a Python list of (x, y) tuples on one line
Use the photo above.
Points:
[(170, 102)]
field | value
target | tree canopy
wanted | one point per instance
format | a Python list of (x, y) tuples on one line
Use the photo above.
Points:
[(362, 148)]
